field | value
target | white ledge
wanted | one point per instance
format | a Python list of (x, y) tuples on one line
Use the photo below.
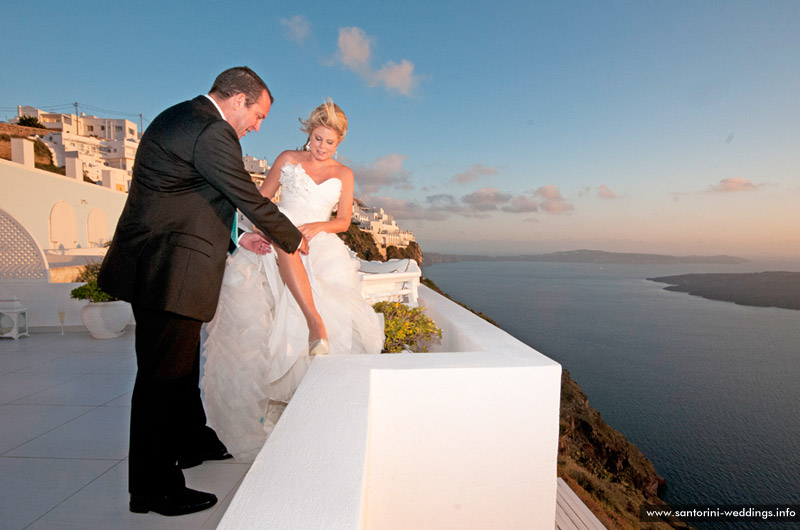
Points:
[(464, 439)]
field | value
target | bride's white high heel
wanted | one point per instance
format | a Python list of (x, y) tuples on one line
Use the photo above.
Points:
[(319, 347)]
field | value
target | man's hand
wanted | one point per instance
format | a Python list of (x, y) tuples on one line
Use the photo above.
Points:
[(303, 248), (255, 243)]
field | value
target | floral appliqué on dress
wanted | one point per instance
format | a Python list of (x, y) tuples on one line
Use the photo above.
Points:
[(294, 179)]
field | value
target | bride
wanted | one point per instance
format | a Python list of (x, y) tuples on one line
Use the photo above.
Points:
[(277, 310)]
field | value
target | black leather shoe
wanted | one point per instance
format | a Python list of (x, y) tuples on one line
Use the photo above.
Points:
[(187, 501), (188, 461)]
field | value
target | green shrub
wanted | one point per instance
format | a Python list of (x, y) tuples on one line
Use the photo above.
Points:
[(30, 121), (406, 327), (90, 291)]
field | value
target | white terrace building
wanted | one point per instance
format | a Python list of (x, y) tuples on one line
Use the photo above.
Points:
[(109, 162), (382, 226), (105, 148), (83, 125), (257, 167)]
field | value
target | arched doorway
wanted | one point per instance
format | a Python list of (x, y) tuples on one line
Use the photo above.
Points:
[(63, 226), (97, 227)]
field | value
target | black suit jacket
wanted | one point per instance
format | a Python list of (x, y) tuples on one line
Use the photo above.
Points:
[(169, 249)]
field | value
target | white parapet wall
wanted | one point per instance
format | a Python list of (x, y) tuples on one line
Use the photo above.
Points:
[(44, 301), (462, 439), (30, 196)]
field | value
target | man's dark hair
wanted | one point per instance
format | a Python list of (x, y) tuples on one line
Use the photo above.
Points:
[(240, 80)]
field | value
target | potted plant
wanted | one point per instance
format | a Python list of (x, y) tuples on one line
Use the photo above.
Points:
[(407, 329), (104, 316)]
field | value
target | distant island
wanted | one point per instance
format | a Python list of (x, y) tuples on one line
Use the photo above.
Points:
[(590, 256), (761, 289)]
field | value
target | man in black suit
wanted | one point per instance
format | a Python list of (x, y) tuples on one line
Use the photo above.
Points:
[(167, 258)]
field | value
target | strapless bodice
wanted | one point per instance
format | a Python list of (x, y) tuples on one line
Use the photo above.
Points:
[(302, 199)]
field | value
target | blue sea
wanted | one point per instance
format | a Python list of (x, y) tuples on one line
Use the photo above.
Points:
[(708, 390)]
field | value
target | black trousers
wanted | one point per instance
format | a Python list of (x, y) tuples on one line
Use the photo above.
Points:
[(167, 417)]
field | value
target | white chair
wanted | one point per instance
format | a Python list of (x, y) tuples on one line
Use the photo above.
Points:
[(396, 280)]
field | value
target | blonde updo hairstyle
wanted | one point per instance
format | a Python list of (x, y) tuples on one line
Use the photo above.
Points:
[(327, 115)]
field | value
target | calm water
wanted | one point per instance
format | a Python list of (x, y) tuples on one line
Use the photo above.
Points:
[(709, 391)]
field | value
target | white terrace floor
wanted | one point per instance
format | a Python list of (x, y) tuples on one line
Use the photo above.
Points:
[(64, 412)]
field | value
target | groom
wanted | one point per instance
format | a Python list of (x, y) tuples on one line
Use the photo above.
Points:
[(167, 258)]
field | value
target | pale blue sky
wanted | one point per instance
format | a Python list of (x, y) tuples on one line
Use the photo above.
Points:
[(516, 127)]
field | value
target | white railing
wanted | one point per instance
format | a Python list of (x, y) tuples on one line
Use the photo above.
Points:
[(462, 438), (396, 280)]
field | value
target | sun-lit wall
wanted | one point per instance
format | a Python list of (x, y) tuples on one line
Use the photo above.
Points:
[(30, 195)]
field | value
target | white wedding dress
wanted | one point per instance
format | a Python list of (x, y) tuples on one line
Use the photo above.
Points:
[(256, 351)]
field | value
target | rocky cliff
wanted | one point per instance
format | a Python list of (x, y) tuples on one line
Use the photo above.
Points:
[(361, 243), (612, 477)]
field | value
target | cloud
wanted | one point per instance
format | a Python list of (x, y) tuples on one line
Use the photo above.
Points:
[(443, 201), (521, 204), (296, 28), (604, 192), (436, 208), (446, 203), (478, 204), (397, 77), (354, 52), (386, 171), (474, 173), (402, 209), (449, 204), (733, 184), (486, 199), (553, 202)]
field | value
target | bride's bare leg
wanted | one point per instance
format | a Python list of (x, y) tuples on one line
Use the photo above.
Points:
[(296, 279)]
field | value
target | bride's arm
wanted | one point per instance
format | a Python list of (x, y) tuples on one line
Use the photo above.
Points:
[(273, 179), (270, 185), (344, 213)]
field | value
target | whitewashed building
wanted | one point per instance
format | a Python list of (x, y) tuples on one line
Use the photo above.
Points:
[(257, 167), (83, 125), (104, 148), (384, 229), (106, 162)]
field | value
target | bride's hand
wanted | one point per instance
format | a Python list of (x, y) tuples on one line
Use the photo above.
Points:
[(310, 230)]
